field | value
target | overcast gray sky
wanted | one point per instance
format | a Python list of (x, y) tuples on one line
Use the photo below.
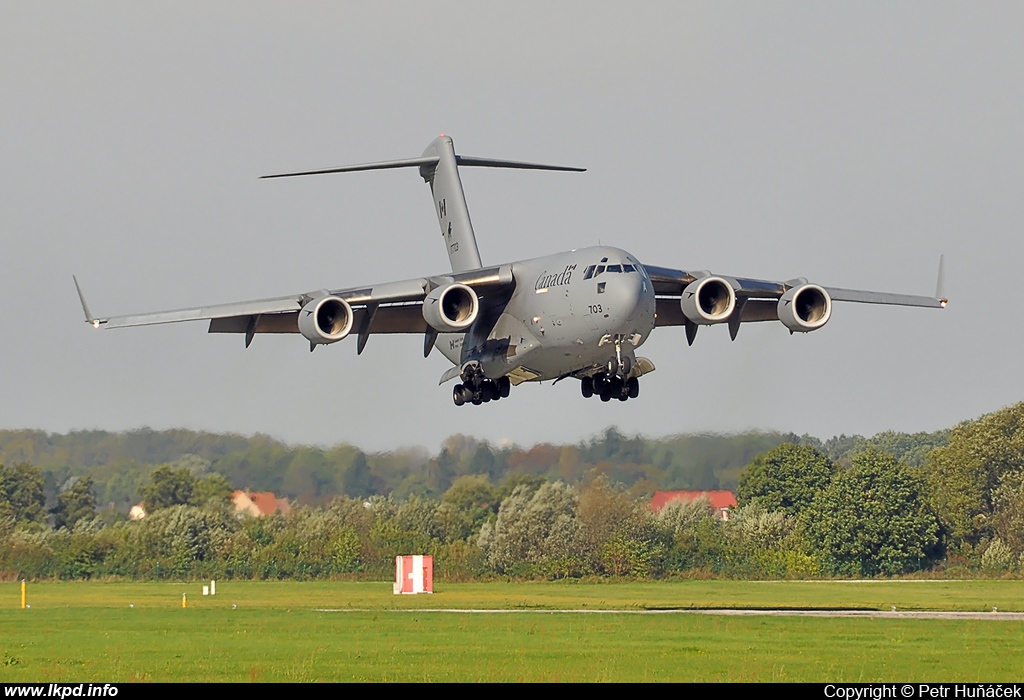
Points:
[(850, 143)]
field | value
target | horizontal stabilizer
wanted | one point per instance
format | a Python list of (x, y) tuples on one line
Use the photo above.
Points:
[(494, 163), (382, 165), (431, 160)]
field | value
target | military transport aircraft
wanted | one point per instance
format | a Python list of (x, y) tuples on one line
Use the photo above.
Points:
[(579, 314)]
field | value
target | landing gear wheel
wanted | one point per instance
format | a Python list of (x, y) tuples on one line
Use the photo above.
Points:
[(633, 387), (504, 387), (458, 396), (587, 387), (616, 385), (606, 396), (477, 398)]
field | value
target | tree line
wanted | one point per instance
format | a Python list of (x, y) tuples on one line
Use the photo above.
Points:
[(121, 464), (947, 502)]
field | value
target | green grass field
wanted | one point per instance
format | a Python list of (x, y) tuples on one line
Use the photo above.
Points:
[(87, 632)]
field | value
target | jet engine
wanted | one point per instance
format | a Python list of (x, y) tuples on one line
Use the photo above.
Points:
[(708, 300), (451, 309), (325, 320), (805, 308)]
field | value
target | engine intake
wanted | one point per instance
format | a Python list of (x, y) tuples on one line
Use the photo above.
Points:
[(805, 308), (708, 300), (325, 320), (451, 308)]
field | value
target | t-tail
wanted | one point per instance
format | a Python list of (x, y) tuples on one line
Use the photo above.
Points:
[(439, 167)]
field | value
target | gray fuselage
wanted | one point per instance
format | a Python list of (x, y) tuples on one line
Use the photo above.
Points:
[(569, 313)]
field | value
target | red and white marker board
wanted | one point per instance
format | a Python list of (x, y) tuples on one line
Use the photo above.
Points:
[(414, 574)]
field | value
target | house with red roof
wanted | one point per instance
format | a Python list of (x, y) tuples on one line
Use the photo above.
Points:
[(258, 504), (721, 501)]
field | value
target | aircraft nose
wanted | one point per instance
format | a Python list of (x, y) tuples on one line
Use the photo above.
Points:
[(628, 294)]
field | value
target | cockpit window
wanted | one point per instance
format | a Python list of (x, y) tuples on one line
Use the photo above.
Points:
[(595, 270)]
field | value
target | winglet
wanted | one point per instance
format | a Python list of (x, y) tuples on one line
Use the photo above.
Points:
[(89, 318), (940, 285)]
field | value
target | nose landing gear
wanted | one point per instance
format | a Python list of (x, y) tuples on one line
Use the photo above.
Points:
[(614, 382)]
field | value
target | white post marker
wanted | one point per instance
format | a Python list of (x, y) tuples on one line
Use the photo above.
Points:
[(213, 587), (206, 590)]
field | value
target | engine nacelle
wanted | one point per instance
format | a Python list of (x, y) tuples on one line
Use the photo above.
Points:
[(325, 320), (451, 309), (805, 308), (708, 300)]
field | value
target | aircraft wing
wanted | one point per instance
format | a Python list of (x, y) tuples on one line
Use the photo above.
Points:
[(760, 300), (671, 282), (390, 307)]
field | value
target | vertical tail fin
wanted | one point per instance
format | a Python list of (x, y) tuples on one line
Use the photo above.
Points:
[(450, 205)]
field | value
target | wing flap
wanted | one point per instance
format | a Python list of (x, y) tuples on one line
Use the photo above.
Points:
[(265, 323), (405, 318), (760, 310), (670, 313)]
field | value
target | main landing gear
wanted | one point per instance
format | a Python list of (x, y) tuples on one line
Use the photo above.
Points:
[(481, 390), (610, 386)]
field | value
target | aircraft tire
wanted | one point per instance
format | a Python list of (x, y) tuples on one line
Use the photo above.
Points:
[(458, 396), (633, 387), (606, 396), (505, 387), (587, 387)]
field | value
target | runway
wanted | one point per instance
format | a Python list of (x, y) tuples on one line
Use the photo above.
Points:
[(754, 612)]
